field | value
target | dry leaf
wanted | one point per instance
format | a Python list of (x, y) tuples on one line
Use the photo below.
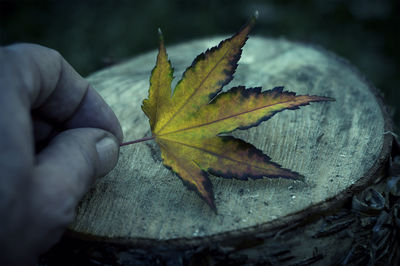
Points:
[(186, 125)]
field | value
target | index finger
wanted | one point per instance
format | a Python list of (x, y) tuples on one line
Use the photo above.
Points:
[(55, 91)]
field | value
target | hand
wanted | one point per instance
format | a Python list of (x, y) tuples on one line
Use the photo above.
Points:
[(56, 136)]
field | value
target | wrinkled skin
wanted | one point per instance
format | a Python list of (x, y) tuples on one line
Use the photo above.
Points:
[(57, 136)]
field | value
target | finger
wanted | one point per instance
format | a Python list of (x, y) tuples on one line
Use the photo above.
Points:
[(66, 168), (54, 90), (63, 173), (16, 161), (16, 145), (75, 157), (87, 115)]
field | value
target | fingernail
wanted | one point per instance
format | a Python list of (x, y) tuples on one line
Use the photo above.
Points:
[(107, 150)]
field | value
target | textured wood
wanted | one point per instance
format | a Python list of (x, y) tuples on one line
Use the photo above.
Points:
[(337, 146)]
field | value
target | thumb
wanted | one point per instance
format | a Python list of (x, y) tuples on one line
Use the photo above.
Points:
[(75, 157), (63, 172)]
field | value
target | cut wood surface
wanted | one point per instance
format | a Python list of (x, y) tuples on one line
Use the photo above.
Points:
[(337, 146)]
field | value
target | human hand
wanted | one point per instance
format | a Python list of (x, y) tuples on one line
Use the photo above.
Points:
[(56, 136)]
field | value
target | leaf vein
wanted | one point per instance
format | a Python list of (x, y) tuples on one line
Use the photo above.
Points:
[(221, 119), (217, 155), (196, 90)]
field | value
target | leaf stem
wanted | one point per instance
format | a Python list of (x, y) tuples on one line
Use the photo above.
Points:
[(135, 141)]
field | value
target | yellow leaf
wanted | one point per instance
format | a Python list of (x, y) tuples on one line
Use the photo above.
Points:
[(204, 79), (239, 108), (160, 88), (186, 125)]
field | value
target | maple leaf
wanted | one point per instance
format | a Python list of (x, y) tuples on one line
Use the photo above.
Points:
[(187, 123)]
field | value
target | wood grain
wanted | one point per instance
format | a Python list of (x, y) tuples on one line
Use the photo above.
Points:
[(335, 145)]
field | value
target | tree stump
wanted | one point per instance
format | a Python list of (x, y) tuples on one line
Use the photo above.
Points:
[(339, 147)]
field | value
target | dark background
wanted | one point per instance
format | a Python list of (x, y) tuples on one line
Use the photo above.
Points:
[(94, 34)]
